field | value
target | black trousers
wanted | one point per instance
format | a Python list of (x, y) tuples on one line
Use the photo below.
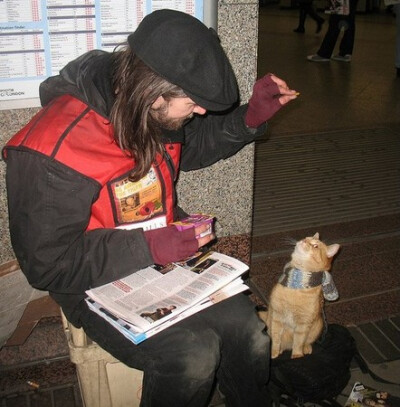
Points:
[(307, 8), (226, 342), (336, 23)]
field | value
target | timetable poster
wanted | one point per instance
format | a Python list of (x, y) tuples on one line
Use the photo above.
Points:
[(39, 37)]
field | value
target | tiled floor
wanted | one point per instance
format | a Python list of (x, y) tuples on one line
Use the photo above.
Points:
[(339, 102), (335, 97)]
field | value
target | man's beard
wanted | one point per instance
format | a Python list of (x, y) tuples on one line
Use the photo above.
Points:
[(160, 116)]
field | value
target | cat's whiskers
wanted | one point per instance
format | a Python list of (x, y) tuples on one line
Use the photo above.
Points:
[(289, 241)]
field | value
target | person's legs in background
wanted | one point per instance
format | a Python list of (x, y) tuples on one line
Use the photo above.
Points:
[(396, 10), (311, 11), (347, 42), (338, 22), (348, 24), (302, 18), (307, 7), (328, 43)]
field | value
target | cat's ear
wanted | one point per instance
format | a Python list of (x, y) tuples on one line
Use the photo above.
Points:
[(316, 236), (332, 249)]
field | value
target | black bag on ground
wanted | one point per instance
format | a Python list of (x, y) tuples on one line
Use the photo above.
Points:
[(316, 378)]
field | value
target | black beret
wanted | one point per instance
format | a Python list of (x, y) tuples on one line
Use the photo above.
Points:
[(182, 50)]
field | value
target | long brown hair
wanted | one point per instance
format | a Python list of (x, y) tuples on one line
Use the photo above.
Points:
[(135, 129)]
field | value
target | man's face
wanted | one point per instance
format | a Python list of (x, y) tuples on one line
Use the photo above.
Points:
[(174, 113)]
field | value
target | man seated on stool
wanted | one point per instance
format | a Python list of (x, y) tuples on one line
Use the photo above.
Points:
[(113, 123)]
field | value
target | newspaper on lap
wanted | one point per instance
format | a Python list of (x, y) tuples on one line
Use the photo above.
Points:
[(150, 300)]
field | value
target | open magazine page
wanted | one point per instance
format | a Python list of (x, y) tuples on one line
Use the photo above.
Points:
[(130, 331), (150, 296), (362, 396)]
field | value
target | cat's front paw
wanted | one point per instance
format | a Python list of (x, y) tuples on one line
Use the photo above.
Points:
[(275, 354), (296, 355), (307, 349)]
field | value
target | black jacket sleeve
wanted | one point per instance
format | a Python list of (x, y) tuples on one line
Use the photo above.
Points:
[(211, 138), (49, 210)]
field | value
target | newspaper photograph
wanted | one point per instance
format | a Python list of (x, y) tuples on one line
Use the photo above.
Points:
[(363, 396)]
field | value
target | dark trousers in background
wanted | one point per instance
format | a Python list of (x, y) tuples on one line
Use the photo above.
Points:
[(336, 23), (226, 342), (307, 8)]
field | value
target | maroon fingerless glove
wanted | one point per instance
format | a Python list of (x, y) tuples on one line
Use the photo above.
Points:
[(264, 102), (169, 244)]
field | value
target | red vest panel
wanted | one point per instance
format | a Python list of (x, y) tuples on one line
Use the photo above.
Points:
[(70, 132)]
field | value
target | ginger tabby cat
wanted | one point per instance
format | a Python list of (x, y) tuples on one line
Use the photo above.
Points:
[(295, 312)]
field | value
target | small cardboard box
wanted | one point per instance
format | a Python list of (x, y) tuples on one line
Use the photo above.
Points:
[(16, 320)]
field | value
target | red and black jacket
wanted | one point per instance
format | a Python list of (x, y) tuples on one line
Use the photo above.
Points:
[(69, 202), (83, 140)]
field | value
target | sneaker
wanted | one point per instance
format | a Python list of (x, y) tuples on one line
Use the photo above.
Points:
[(342, 58), (299, 30), (317, 58)]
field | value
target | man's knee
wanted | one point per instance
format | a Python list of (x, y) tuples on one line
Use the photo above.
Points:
[(203, 360), (190, 353)]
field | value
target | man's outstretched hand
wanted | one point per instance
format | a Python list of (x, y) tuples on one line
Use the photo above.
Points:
[(270, 93)]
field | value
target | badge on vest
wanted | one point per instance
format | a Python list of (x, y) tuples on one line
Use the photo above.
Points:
[(137, 201)]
